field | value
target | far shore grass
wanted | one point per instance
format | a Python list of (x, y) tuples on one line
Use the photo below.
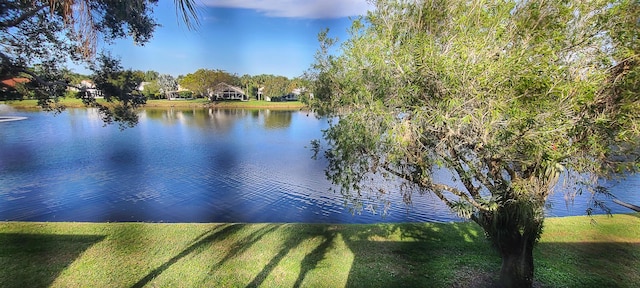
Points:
[(195, 103), (574, 252)]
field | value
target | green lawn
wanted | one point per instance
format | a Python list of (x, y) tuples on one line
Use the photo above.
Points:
[(77, 103), (224, 104), (573, 252), (33, 104)]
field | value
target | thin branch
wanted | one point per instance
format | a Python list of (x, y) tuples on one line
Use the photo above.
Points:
[(512, 173), (457, 192), (473, 190), (20, 69), (479, 176), (49, 83), (22, 17), (42, 81), (441, 197), (437, 189)]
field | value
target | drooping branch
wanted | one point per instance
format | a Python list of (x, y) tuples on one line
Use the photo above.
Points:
[(478, 175), (485, 180), (186, 9), (85, 29), (43, 82), (444, 199), (438, 189), (459, 193), (16, 69)]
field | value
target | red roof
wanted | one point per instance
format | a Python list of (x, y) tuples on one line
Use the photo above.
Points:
[(13, 81)]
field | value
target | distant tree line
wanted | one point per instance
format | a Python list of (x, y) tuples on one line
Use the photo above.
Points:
[(202, 81), (153, 85)]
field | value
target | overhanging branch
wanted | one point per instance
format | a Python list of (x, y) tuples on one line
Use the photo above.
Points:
[(459, 193), (466, 181), (478, 175), (35, 77), (437, 189), (28, 14), (45, 82)]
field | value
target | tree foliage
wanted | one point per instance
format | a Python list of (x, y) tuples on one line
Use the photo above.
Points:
[(151, 90), (249, 85), (508, 96), (272, 85), (202, 81), (39, 36), (116, 84), (166, 84), (151, 76)]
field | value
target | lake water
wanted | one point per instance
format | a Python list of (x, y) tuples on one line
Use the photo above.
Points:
[(191, 165)]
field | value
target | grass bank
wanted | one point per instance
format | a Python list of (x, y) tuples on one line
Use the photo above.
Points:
[(573, 252), (254, 104), (77, 103), (33, 104)]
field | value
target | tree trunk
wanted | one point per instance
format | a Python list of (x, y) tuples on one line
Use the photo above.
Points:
[(513, 230), (517, 263)]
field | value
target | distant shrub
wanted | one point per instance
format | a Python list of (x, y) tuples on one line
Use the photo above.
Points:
[(185, 94), (70, 94)]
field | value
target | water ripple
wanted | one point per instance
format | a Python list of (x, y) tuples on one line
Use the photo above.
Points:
[(196, 166)]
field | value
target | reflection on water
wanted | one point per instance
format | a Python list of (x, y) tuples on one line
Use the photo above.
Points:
[(221, 119), (277, 119), (185, 165)]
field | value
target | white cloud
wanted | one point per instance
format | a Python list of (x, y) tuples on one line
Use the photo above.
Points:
[(315, 9)]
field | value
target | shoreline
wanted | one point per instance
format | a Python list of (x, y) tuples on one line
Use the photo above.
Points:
[(254, 104), (464, 221)]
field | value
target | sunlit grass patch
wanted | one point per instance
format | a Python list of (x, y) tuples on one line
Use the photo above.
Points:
[(573, 252), (192, 103)]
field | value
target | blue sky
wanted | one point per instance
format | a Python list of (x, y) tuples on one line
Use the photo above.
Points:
[(239, 36)]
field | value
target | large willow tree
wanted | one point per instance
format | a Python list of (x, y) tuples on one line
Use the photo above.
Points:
[(509, 96)]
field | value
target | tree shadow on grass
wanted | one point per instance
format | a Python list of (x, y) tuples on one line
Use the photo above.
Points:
[(427, 255), (245, 243), (391, 255), (309, 262), (217, 234), (417, 259), (381, 263), (458, 255), (36, 260), (588, 264), (207, 240)]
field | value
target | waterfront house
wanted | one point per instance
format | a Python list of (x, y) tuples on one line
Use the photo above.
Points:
[(224, 91)]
